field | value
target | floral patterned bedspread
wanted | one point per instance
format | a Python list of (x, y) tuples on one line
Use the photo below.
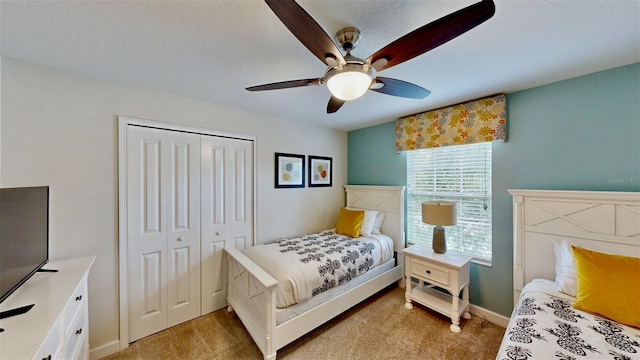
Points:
[(311, 264), (545, 326)]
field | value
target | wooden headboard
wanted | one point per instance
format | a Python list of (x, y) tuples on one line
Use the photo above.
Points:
[(386, 199), (599, 220)]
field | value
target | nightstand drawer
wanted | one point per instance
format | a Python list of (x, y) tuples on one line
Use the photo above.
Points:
[(429, 272)]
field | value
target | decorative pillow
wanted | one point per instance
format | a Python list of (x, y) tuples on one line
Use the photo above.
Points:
[(377, 227), (608, 285), (349, 222), (566, 278), (368, 222)]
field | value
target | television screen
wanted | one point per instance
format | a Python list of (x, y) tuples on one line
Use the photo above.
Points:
[(24, 235)]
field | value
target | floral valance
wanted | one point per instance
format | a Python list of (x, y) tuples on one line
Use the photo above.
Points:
[(482, 120)]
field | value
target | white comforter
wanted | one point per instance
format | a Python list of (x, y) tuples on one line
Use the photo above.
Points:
[(545, 326), (311, 264)]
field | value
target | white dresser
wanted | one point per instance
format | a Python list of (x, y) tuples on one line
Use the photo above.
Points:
[(57, 327)]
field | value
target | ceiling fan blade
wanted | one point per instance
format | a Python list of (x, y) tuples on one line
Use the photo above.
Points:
[(433, 34), (285, 84), (399, 88), (334, 104), (307, 30)]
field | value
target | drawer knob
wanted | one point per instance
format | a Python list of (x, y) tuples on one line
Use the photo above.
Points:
[(79, 331), (48, 357), (79, 297), (428, 271)]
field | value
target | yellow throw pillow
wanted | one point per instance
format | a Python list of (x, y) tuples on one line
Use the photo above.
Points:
[(349, 222), (608, 285)]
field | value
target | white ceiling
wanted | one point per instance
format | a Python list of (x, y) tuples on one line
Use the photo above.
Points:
[(212, 50)]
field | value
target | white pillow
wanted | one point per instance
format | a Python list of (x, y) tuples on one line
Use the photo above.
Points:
[(566, 278), (377, 227), (368, 222)]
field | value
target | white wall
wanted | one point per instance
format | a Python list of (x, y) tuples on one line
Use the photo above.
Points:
[(60, 129)]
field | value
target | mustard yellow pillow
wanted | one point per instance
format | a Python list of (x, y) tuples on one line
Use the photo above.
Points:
[(608, 285), (349, 222)]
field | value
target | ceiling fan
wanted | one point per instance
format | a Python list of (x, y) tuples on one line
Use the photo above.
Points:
[(349, 77)]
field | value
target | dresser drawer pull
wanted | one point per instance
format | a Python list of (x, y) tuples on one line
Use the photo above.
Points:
[(428, 271), (79, 331), (79, 297), (47, 358)]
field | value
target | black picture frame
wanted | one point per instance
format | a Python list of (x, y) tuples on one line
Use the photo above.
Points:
[(289, 171), (320, 171)]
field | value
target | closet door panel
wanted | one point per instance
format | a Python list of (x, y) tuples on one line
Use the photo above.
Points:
[(163, 169), (151, 283), (227, 186), (216, 280), (183, 234), (150, 183), (213, 186), (240, 206), (240, 182), (146, 232)]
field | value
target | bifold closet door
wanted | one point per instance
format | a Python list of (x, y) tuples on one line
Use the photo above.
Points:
[(227, 211), (163, 201)]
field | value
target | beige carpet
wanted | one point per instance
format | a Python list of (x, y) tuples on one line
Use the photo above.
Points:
[(379, 328)]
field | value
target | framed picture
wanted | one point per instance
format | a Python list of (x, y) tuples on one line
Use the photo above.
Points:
[(289, 170), (320, 171)]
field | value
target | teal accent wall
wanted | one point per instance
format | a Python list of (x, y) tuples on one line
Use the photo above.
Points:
[(577, 134), (373, 159)]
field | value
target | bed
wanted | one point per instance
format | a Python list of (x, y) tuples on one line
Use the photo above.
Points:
[(254, 293), (565, 247)]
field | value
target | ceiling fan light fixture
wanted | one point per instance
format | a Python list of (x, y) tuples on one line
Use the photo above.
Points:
[(348, 77), (350, 81)]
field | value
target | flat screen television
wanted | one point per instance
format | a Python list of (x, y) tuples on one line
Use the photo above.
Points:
[(24, 235)]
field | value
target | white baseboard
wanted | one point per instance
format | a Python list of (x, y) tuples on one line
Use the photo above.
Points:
[(491, 316), (104, 350)]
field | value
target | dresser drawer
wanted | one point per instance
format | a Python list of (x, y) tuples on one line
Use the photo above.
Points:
[(83, 351), (75, 303), (429, 272), (78, 334), (52, 346)]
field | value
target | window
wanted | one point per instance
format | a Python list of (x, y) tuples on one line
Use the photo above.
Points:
[(460, 174)]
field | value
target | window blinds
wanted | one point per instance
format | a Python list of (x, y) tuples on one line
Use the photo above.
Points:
[(460, 174)]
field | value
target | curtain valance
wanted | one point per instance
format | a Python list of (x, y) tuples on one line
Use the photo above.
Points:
[(482, 120)]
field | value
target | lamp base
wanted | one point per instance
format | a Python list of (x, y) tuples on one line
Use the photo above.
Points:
[(439, 242)]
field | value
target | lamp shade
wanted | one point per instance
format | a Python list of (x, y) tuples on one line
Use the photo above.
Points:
[(439, 213)]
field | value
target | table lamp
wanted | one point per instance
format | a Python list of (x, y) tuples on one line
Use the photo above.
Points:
[(439, 213)]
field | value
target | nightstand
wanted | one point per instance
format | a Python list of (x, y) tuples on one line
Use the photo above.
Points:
[(448, 271)]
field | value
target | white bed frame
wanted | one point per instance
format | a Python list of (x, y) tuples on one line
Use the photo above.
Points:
[(603, 221), (252, 291)]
